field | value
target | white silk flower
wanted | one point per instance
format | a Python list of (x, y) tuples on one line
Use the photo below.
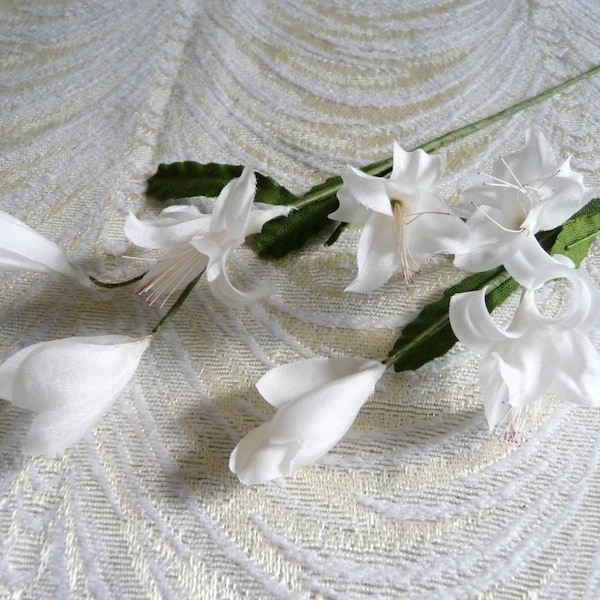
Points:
[(24, 249), (196, 243), (527, 191), (70, 383), (535, 354), (404, 222), (317, 400)]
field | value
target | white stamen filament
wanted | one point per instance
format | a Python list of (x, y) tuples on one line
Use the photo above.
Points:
[(404, 255), (178, 269), (519, 423)]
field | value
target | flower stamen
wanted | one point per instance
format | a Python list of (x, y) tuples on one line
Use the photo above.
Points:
[(404, 255)]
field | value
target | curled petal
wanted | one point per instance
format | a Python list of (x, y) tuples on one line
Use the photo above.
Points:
[(233, 206), (175, 225), (472, 324), (224, 291)]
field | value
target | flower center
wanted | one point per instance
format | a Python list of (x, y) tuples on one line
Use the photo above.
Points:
[(529, 195)]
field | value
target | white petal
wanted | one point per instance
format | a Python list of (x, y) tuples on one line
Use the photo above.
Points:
[(232, 207), (71, 383), (530, 265), (256, 460), (377, 255), (173, 227), (261, 213), (528, 366), (472, 324), (416, 168), (489, 245), (291, 381), (494, 391), (224, 291), (350, 210), (368, 190), (532, 160), (428, 234), (22, 248), (578, 379)]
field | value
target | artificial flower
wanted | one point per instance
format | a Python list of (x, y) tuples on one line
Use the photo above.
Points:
[(197, 243), (317, 401), (404, 223), (70, 383), (535, 354), (24, 249), (527, 191)]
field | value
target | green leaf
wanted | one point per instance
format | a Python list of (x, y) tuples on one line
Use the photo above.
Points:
[(186, 179), (579, 232), (429, 335), (285, 234)]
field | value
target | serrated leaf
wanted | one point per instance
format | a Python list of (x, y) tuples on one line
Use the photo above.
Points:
[(187, 179)]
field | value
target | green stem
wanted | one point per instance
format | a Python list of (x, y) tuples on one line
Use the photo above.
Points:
[(103, 284), (176, 306)]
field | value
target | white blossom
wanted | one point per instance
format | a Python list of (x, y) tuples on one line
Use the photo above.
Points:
[(404, 222), (317, 400), (196, 243), (70, 384)]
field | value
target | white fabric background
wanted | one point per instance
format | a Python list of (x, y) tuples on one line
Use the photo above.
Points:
[(418, 501)]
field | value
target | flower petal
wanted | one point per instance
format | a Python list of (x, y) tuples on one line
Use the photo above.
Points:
[(224, 291), (261, 213), (308, 425), (232, 207), (416, 169), (377, 255), (23, 248), (489, 245), (369, 191), (472, 324), (578, 379), (350, 210), (494, 393), (291, 381), (175, 225), (71, 382)]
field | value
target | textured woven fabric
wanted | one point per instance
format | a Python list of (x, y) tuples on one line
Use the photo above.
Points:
[(418, 501)]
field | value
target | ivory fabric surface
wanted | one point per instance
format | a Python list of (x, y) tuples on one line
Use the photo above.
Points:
[(419, 500)]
